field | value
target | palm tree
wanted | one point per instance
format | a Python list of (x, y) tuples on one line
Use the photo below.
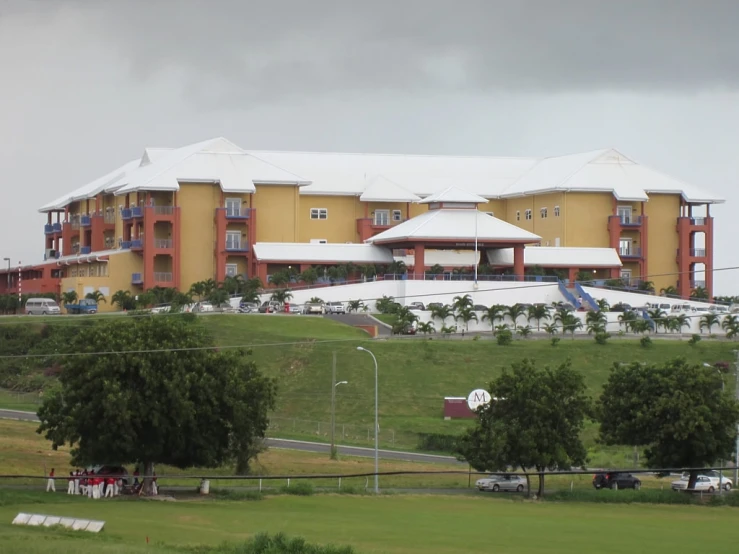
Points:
[(397, 267), (597, 319), (441, 313), (466, 314), (626, 319), (669, 291), (571, 323), (514, 312), (309, 276), (209, 286), (122, 299), (426, 328), (647, 286), (500, 328), (281, 295), (250, 296), (198, 289), (683, 321), (603, 305), (537, 312), (368, 271), (448, 330), (233, 284), (279, 278), (730, 324), (355, 305), (218, 296), (97, 296), (316, 300), (493, 314), (640, 326), (69, 297), (523, 331), (461, 302), (701, 293), (145, 299), (658, 316), (551, 329), (435, 270), (708, 321)]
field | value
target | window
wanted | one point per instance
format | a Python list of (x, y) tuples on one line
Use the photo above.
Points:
[(231, 270), (518, 216), (382, 217), (556, 211), (626, 275), (624, 212), (318, 213), (528, 215), (625, 247), (543, 213), (233, 207), (233, 240), (396, 215)]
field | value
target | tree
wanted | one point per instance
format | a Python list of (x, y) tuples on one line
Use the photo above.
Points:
[(571, 323), (218, 296), (514, 312), (233, 285), (595, 321), (441, 313), (281, 295), (279, 278), (730, 325), (309, 276), (435, 270), (534, 422), (123, 299), (426, 328), (355, 305), (603, 305), (97, 296), (659, 317), (699, 293), (145, 299), (551, 329), (397, 267), (198, 290), (368, 271), (466, 314), (677, 411), (708, 321), (538, 312), (646, 286), (669, 291), (177, 400), (461, 302), (69, 297), (494, 314), (523, 331), (626, 319)]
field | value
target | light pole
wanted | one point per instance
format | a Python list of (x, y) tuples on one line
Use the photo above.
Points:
[(334, 384), (377, 424), (721, 462)]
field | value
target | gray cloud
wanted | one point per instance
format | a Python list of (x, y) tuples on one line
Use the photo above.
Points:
[(232, 51)]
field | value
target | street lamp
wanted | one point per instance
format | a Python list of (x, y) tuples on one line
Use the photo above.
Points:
[(377, 425), (334, 384)]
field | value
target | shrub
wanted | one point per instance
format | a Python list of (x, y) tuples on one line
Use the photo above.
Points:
[(602, 337), (232, 494), (555, 341), (505, 337), (437, 442), (645, 341), (694, 339), (266, 544), (301, 488), (607, 496)]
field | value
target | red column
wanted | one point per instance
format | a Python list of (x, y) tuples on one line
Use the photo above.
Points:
[(262, 273), (518, 267), (614, 231), (615, 272), (148, 244), (251, 263), (177, 247), (220, 245), (644, 234), (683, 257), (709, 256), (572, 275), (419, 260)]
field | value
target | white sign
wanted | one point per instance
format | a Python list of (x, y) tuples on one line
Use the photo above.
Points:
[(477, 398)]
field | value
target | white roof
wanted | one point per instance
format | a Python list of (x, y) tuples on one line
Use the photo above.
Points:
[(552, 256), (454, 195), (279, 252), (216, 160), (602, 170), (462, 225), (445, 258), (382, 189)]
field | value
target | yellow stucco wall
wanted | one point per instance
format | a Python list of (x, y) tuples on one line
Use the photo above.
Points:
[(586, 219), (339, 227), (277, 214), (662, 211), (198, 203)]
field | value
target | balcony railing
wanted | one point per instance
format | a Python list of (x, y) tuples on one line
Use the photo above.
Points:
[(125, 244), (137, 244), (696, 284), (697, 252), (48, 229), (163, 210), (630, 220), (85, 221), (163, 277), (126, 213), (137, 279), (629, 252), (109, 217), (137, 211), (57, 227), (697, 220), (75, 224), (236, 247), (85, 250), (75, 248), (237, 213), (163, 243)]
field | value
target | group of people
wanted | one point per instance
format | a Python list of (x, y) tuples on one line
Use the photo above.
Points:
[(87, 483)]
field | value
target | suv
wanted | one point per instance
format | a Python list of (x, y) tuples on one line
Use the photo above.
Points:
[(314, 308), (416, 306), (335, 308), (616, 481), (269, 307)]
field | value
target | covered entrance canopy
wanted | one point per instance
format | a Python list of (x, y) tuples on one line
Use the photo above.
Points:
[(453, 222)]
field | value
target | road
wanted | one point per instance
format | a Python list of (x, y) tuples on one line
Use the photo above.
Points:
[(360, 319), (307, 446)]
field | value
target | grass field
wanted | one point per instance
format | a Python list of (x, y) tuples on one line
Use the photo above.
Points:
[(387, 524), (414, 375)]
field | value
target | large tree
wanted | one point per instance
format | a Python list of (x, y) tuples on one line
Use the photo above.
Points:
[(174, 399), (677, 411), (534, 421)]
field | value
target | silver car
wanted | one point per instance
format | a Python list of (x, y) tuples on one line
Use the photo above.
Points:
[(497, 483)]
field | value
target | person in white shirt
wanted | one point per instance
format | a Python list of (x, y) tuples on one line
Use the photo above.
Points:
[(50, 487), (70, 484)]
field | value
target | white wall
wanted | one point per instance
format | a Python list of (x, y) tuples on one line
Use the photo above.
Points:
[(636, 299)]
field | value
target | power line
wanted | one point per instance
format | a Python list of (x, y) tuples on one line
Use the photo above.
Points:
[(530, 285)]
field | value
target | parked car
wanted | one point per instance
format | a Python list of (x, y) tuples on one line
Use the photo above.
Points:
[(161, 309), (203, 307), (84, 306), (480, 308), (436, 305), (715, 477), (226, 308), (314, 308), (248, 307), (335, 308), (702, 484), (270, 307), (497, 483), (416, 306), (42, 306), (295, 309), (616, 480)]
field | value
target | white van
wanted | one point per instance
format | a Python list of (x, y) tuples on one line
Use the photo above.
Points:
[(42, 306)]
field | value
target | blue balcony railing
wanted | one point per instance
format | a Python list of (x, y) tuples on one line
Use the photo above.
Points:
[(125, 244), (85, 221), (126, 213), (137, 279), (137, 244), (48, 229), (85, 250), (137, 211), (57, 227), (57, 254)]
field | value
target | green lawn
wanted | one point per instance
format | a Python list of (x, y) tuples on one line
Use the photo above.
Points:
[(387, 524)]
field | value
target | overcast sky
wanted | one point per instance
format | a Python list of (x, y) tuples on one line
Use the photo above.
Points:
[(87, 84)]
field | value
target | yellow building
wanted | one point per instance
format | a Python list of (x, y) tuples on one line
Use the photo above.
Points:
[(177, 216)]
